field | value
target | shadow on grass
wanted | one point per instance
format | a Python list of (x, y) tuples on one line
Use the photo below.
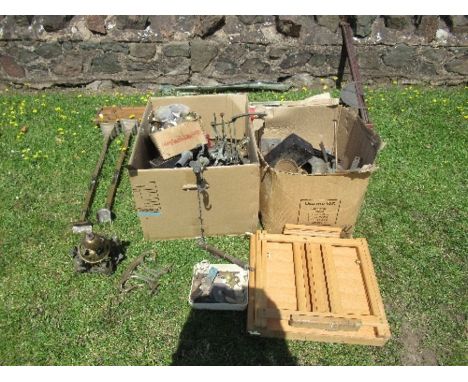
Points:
[(221, 338)]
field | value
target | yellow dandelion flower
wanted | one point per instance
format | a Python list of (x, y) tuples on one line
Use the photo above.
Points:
[(79, 95)]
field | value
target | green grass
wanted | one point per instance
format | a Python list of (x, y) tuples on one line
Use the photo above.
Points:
[(414, 218)]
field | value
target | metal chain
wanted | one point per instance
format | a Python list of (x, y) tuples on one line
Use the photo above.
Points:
[(200, 214)]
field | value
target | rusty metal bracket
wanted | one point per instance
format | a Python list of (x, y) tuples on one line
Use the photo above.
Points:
[(348, 52), (139, 271)]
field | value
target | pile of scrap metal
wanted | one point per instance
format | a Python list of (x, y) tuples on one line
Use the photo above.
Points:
[(140, 273), (215, 284), (294, 154), (223, 149)]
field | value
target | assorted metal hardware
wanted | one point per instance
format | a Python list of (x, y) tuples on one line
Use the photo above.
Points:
[(97, 254), (293, 148), (128, 126), (139, 274), (224, 149), (210, 285), (171, 115), (84, 225), (296, 155)]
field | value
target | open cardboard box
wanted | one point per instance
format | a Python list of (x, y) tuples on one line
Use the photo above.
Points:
[(166, 200), (332, 199)]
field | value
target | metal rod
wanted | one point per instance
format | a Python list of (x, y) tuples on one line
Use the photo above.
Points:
[(117, 171), (253, 86), (94, 179), (335, 133), (354, 68), (104, 215), (214, 124), (223, 126), (218, 253)]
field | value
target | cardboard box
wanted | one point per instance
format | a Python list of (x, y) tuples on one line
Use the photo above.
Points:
[(177, 139), (166, 200), (329, 199)]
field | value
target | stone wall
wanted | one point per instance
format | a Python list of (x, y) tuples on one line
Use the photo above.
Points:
[(147, 51)]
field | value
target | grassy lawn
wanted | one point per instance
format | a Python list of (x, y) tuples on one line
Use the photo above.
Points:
[(414, 217)]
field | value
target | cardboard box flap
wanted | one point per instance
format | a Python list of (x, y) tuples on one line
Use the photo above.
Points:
[(315, 124), (312, 123), (142, 148)]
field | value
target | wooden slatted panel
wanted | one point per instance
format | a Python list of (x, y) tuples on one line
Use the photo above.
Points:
[(349, 265), (364, 336), (312, 230), (371, 285), (260, 274), (307, 281), (285, 314), (280, 286), (280, 238), (332, 279), (252, 273), (302, 287), (350, 282), (317, 282)]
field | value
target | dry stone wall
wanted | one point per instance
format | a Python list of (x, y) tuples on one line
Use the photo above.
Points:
[(149, 51)]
